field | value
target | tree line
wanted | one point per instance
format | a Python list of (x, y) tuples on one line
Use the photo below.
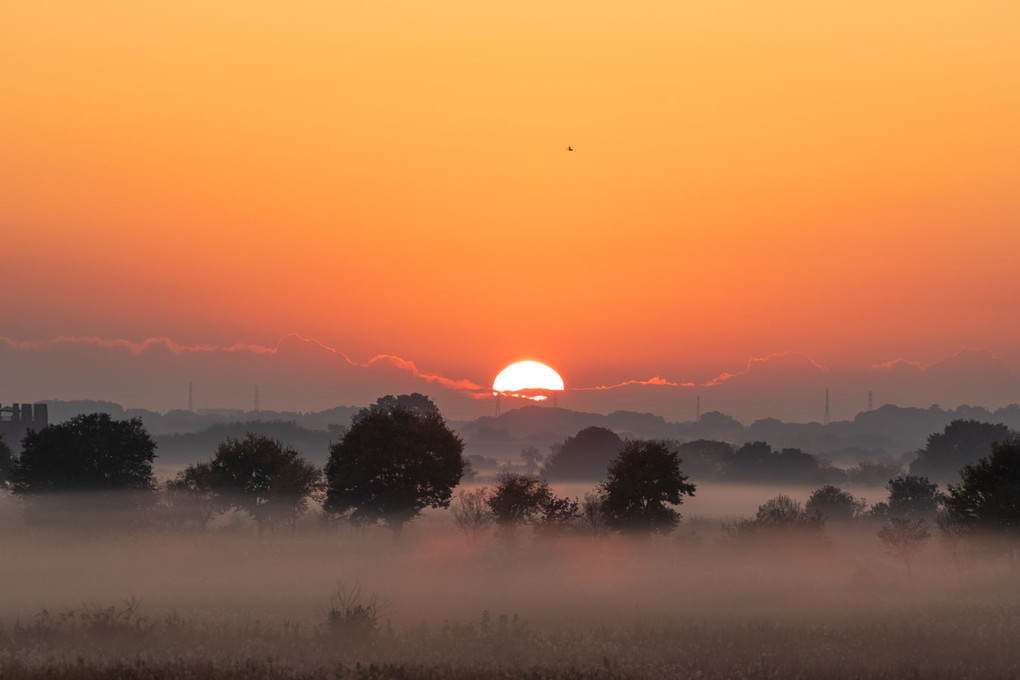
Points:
[(399, 457), (586, 455)]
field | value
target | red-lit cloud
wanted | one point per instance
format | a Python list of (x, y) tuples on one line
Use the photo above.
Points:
[(654, 380), (758, 363)]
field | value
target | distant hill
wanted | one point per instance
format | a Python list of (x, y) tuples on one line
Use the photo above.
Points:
[(182, 421), (179, 450), (890, 432)]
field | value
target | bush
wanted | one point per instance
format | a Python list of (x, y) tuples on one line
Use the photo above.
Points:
[(834, 504), (778, 518), (351, 617)]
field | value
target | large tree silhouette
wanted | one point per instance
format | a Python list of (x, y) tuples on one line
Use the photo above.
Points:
[(257, 475), (758, 462), (644, 481), (988, 497), (962, 442), (87, 453), (913, 496), (586, 455), (392, 463)]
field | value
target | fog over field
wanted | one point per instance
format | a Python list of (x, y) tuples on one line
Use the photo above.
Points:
[(104, 587)]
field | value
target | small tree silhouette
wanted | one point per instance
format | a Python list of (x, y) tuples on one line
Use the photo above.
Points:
[(913, 496), (594, 520), (779, 519), (471, 513), (532, 458), (257, 475), (6, 462), (517, 499), (557, 516), (834, 504), (904, 538), (351, 617)]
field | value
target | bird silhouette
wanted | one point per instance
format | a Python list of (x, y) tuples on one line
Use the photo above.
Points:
[(570, 148)]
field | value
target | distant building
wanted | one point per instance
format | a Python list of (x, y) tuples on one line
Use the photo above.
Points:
[(17, 419)]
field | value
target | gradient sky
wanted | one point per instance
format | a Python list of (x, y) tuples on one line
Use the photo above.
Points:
[(839, 179)]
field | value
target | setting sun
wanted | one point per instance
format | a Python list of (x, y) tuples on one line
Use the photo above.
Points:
[(527, 375)]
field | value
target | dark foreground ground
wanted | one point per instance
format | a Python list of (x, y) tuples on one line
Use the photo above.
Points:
[(974, 637)]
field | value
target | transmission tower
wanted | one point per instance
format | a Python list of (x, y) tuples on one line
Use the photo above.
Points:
[(826, 419), (697, 408), (191, 396), (256, 399), (497, 404), (870, 401)]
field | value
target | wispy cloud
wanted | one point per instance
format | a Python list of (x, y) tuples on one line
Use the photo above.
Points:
[(138, 348), (896, 363), (409, 366), (759, 362), (961, 354), (654, 380), (134, 347)]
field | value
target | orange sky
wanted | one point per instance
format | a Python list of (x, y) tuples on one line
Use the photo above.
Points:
[(840, 179)]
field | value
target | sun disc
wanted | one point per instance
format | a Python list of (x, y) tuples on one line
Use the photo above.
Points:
[(527, 375)]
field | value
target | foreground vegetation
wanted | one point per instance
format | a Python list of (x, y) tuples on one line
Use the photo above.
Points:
[(442, 604), (973, 637)]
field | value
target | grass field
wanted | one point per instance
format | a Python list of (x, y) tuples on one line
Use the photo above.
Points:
[(333, 602)]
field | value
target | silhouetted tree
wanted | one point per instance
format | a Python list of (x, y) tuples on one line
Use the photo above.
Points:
[(532, 458), (954, 536), (643, 482), (779, 518), (903, 538), (586, 455), (988, 497), (392, 463), (834, 504), (416, 402), (782, 513), (873, 472), (6, 461), (87, 453), (517, 499), (879, 510), (257, 475), (558, 515), (469, 473), (963, 442), (913, 496), (706, 458), (471, 513), (594, 520), (188, 498), (758, 462), (291, 489)]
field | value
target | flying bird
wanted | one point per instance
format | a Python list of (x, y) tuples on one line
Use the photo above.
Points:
[(570, 148)]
